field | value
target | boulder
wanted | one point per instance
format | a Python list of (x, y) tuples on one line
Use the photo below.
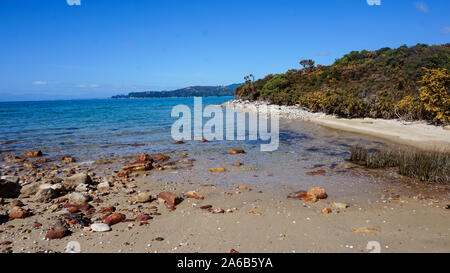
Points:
[(9, 189), (45, 195)]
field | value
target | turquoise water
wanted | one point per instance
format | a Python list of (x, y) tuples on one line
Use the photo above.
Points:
[(91, 128)]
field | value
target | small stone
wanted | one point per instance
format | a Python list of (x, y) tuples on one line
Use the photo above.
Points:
[(58, 231), (114, 218), (317, 192), (138, 166), (236, 151), (243, 188), (18, 213), (16, 203), (13, 159), (100, 227), (339, 205), (103, 186), (365, 230), (238, 164), (326, 211), (144, 158), (143, 217), (193, 194), (170, 199), (253, 212), (217, 210), (141, 197), (78, 198), (217, 170), (67, 159)]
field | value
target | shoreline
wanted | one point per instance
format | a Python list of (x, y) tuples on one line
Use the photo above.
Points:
[(417, 133)]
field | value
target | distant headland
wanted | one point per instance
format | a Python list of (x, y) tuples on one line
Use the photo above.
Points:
[(193, 91)]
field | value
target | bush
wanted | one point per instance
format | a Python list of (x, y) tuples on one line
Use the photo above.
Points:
[(435, 94)]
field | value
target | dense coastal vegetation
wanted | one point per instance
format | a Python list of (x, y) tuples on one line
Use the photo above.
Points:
[(411, 83), (193, 91)]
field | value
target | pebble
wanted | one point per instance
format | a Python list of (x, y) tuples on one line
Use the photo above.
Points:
[(100, 227)]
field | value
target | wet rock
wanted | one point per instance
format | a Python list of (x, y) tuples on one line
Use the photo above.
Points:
[(45, 195), (217, 170), (365, 230), (100, 227), (193, 194), (170, 199), (179, 142), (13, 159), (236, 151), (67, 159), (204, 140), (114, 218), (32, 153), (9, 189), (317, 192), (144, 158), (18, 213), (316, 172), (79, 198), (142, 197), (326, 211), (59, 230), (339, 205), (238, 164), (29, 165), (162, 158), (138, 166), (76, 179)]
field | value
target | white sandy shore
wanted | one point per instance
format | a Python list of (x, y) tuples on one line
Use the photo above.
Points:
[(418, 134)]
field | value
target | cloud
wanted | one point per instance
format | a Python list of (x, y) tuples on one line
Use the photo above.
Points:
[(39, 83), (422, 7), (88, 85), (446, 30)]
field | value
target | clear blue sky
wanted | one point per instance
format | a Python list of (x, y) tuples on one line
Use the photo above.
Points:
[(50, 49)]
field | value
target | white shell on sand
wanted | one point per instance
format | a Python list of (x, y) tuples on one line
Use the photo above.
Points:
[(100, 227)]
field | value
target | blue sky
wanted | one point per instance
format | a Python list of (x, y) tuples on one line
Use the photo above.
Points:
[(50, 49)]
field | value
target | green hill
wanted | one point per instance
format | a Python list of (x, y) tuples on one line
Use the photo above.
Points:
[(193, 91), (407, 82)]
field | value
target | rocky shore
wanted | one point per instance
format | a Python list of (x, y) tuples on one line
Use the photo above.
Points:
[(156, 203)]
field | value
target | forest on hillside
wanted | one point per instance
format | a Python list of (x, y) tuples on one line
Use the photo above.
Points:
[(410, 83)]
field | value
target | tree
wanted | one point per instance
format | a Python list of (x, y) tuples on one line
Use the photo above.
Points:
[(307, 64)]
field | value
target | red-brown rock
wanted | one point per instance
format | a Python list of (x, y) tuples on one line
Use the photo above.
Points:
[(138, 166), (114, 218), (236, 151), (32, 153), (18, 213), (144, 158), (171, 199), (143, 217)]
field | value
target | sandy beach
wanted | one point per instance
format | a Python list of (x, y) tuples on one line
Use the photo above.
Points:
[(240, 208), (417, 134)]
